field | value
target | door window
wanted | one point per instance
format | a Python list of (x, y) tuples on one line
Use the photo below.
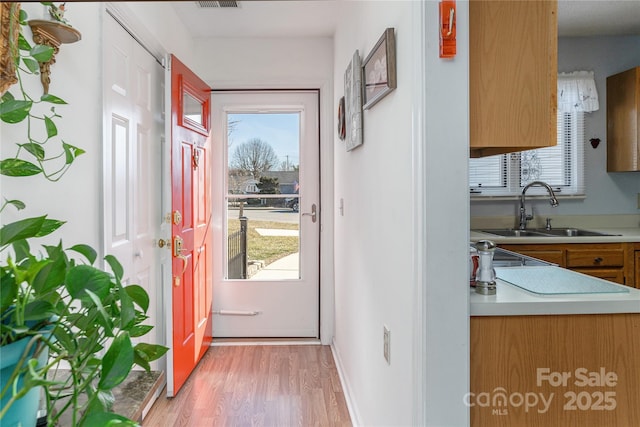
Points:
[(263, 193)]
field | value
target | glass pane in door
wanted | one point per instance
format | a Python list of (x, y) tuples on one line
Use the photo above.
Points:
[(263, 191)]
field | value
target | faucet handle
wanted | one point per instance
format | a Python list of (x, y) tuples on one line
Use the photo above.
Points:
[(548, 227)]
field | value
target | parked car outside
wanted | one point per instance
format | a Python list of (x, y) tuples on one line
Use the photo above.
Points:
[(292, 203)]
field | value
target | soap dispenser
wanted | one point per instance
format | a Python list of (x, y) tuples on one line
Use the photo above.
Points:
[(486, 277)]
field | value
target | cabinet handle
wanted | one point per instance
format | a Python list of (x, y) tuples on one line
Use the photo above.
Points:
[(597, 260)]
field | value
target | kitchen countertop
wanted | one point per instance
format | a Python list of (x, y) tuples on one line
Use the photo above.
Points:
[(511, 300), (624, 235)]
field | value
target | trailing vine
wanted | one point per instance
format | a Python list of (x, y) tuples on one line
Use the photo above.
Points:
[(33, 155)]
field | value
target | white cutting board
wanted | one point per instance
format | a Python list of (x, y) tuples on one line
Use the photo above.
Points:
[(551, 280)]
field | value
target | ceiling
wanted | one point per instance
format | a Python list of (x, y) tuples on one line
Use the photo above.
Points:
[(317, 18)]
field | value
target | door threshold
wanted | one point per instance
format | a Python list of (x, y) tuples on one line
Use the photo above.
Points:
[(264, 341)]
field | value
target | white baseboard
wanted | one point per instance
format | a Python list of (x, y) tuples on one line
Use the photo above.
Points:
[(353, 412)]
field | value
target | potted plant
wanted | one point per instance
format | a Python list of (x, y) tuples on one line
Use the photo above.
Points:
[(58, 308)]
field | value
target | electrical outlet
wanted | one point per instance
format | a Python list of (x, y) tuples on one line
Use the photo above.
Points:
[(386, 344)]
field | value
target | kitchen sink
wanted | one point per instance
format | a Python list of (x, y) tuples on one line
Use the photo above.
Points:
[(543, 232), (574, 232), (515, 233)]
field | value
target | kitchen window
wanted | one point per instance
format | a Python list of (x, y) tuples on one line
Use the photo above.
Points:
[(561, 166)]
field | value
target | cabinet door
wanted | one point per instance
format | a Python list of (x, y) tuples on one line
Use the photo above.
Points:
[(623, 102), (513, 68)]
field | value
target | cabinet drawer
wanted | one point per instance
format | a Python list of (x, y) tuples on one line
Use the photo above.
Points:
[(612, 274), (595, 257), (551, 255)]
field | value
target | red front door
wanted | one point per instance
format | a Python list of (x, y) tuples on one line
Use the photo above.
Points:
[(190, 216)]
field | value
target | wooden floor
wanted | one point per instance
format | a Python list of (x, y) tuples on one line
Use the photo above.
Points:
[(279, 385)]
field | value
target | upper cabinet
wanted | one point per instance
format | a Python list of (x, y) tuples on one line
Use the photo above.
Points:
[(623, 115), (513, 67)]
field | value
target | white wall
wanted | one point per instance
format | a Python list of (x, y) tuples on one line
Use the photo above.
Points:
[(606, 193), (77, 197), (382, 277)]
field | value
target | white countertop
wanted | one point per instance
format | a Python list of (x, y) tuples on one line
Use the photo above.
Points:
[(514, 301), (624, 235)]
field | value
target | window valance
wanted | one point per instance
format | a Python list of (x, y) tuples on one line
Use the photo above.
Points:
[(577, 92)]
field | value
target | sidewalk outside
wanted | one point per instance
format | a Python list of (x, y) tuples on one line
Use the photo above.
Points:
[(284, 268)]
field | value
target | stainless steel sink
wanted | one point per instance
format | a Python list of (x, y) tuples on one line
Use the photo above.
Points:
[(515, 233), (543, 232), (574, 232)]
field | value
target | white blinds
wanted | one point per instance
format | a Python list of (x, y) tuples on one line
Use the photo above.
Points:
[(561, 166)]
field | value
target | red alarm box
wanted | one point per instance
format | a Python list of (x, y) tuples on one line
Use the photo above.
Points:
[(447, 29)]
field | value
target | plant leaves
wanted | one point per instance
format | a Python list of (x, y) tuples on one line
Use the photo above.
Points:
[(52, 130), (23, 229), (71, 152), (23, 44), (22, 17), (7, 97), (139, 296), (140, 330), (103, 319), (18, 167), (52, 275), (32, 65), (49, 226), (106, 419), (38, 310), (127, 312), (47, 97), (8, 289), (115, 265), (21, 250), (35, 149), (15, 110), (41, 53), (150, 352), (18, 204), (83, 277), (117, 362), (87, 251)]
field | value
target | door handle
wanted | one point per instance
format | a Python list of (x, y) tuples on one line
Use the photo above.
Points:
[(177, 252), (312, 214)]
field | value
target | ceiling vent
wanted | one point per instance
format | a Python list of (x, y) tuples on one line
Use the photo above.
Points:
[(222, 3)]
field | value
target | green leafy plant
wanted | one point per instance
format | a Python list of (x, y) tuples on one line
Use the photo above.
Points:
[(57, 297)]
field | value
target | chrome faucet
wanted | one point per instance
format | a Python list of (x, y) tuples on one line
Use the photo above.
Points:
[(523, 212)]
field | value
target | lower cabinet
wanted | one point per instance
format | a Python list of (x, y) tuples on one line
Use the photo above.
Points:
[(554, 370), (637, 256), (610, 261)]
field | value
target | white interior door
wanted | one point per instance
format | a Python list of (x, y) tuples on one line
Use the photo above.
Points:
[(266, 145), (132, 153)]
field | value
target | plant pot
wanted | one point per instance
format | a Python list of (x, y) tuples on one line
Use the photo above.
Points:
[(23, 412)]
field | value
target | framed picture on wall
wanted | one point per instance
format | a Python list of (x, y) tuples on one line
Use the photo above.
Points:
[(379, 69), (353, 103)]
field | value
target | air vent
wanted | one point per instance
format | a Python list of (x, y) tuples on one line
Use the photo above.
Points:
[(207, 4)]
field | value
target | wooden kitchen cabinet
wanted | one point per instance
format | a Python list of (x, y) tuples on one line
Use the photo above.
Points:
[(519, 361), (623, 117), (609, 261), (513, 66), (637, 266)]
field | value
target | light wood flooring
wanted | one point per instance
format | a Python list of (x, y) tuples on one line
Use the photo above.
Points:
[(268, 385)]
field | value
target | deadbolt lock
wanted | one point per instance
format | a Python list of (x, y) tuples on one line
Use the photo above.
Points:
[(177, 217), (162, 243)]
